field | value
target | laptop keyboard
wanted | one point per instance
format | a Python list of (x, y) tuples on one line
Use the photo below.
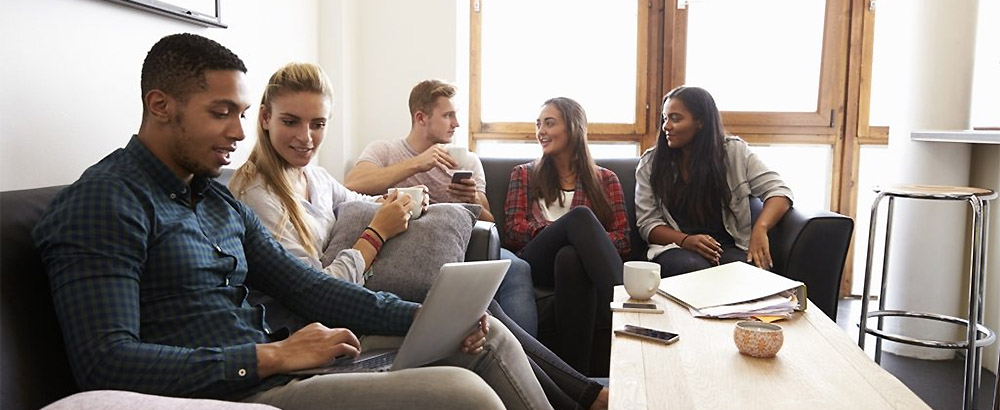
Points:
[(380, 362)]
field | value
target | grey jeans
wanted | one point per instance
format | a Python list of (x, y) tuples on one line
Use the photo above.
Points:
[(499, 377)]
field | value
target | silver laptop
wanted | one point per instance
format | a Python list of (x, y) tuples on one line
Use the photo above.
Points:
[(459, 296)]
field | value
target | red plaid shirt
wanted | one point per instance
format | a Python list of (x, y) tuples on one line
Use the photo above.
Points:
[(524, 219)]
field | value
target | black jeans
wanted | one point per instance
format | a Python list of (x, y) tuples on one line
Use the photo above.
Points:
[(565, 387), (575, 257), (676, 261)]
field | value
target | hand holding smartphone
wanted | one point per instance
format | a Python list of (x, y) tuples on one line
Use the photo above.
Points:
[(460, 175), (648, 334), (635, 307)]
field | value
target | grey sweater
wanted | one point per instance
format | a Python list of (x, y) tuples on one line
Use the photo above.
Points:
[(746, 175)]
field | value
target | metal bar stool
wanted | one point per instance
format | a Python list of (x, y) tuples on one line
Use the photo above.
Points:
[(978, 335)]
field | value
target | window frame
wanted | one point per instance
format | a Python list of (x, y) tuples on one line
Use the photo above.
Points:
[(859, 130), (817, 127)]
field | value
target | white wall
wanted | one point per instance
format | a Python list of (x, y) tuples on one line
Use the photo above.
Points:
[(925, 270), (986, 158), (382, 50), (932, 74), (70, 75), (338, 55), (986, 174)]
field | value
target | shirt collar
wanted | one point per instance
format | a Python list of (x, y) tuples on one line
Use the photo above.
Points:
[(406, 144), (160, 173)]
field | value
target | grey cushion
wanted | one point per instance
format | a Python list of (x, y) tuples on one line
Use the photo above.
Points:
[(124, 400), (408, 263)]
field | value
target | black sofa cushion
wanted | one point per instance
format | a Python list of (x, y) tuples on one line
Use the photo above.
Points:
[(35, 367), (806, 245)]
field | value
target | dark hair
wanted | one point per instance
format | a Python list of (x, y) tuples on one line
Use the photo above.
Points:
[(544, 181), (706, 188), (176, 64)]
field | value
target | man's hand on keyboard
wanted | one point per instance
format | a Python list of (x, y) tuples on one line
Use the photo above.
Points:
[(312, 346)]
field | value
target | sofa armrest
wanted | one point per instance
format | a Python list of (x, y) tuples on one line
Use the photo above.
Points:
[(810, 246), (484, 244)]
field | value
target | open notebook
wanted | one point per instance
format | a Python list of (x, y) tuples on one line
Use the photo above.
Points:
[(735, 289)]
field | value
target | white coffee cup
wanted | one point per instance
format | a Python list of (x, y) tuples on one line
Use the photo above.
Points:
[(641, 279), (458, 154), (416, 196)]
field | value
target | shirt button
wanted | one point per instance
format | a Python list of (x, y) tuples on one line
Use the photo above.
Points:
[(173, 196), (242, 372), (227, 281)]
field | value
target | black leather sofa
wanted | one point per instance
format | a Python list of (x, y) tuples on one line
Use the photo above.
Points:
[(807, 245), (34, 368)]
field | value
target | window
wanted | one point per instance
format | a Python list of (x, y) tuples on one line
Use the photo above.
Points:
[(792, 77), (522, 68), (805, 168), (871, 174), (525, 52), (743, 67), (775, 67)]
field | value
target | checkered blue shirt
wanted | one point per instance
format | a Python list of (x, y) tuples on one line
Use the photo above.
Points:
[(149, 278)]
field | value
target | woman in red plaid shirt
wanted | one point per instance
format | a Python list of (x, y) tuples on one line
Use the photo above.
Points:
[(566, 217)]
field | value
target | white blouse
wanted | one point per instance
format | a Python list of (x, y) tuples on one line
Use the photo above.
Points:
[(554, 211), (325, 194)]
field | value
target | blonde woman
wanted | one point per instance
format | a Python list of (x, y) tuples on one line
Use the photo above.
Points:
[(295, 199), (293, 115)]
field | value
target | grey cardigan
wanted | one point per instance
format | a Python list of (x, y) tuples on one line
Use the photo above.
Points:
[(746, 175)]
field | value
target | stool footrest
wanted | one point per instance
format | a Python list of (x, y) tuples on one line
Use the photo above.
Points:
[(984, 337)]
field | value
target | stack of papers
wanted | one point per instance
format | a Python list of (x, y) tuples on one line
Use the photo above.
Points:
[(780, 305), (735, 290)]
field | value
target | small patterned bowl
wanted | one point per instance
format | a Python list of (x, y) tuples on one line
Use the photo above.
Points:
[(758, 339)]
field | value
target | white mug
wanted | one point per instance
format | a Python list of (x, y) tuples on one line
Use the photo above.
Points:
[(416, 197), (641, 279), (458, 154)]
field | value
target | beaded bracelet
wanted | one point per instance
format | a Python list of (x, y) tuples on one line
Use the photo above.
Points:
[(371, 240)]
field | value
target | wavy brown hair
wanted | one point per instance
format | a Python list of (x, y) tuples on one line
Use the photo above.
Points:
[(544, 182), (425, 94), (265, 161)]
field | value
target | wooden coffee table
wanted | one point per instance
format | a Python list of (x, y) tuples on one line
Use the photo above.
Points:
[(818, 367)]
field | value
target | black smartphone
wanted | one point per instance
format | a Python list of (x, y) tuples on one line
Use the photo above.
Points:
[(635, 307), (649, 334), (460, 175)]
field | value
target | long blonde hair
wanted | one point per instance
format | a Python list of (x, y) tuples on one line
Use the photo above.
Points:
[(265, 161)]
